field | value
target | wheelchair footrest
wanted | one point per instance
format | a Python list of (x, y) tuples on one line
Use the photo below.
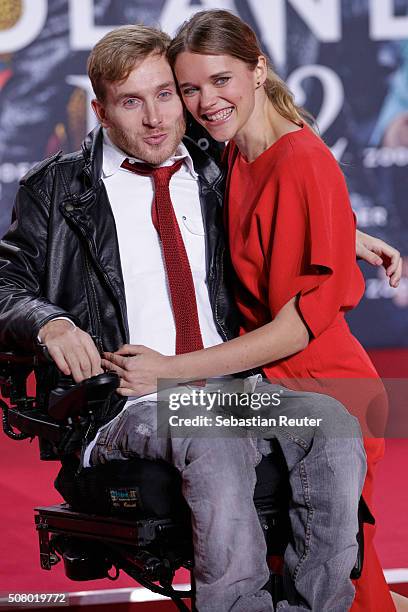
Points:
[(60, 519), (90, 545)]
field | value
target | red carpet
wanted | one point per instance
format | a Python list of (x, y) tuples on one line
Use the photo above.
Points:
[(26, 482), (391, 504)]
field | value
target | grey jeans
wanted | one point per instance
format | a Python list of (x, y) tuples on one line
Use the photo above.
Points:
[(326, 474)]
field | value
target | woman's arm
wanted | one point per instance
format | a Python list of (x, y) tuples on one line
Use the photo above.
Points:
[(140, 367)]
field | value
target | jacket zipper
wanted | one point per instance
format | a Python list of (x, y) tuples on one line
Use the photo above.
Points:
[(105, 276), (220, 278), (94, 308), (212, 274), (101, 270)]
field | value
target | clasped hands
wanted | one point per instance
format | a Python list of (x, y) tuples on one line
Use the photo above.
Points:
[(75, 354), (138, 368)]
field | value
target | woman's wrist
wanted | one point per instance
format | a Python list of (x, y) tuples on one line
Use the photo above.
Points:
[(172, 368), (176, 368)]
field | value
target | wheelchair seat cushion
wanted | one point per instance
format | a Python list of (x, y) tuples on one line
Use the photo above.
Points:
[(140, 488), (137, 488)]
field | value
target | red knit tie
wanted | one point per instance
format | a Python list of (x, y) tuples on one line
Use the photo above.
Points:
[(179, 277)]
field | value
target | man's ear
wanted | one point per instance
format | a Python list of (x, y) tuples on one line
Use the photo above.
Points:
[(100, 112)]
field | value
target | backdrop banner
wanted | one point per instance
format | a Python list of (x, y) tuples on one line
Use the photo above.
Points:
[(346, 61)]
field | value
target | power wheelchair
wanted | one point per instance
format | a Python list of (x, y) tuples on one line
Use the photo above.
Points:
[(123, 515)]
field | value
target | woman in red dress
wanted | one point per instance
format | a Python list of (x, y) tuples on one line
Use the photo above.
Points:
[(291, 234)]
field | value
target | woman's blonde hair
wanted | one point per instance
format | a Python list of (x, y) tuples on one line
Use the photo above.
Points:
[(218, 32)]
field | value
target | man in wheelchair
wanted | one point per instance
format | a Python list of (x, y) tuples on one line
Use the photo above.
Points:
[(83, 271)]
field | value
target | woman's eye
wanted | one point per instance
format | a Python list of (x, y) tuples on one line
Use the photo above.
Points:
[(189, 91), (222, 80)]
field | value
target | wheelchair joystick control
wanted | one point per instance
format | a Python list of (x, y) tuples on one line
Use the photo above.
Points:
[(68, 401)]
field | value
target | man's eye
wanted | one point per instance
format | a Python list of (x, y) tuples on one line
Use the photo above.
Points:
[(130, 102), (164, 95)]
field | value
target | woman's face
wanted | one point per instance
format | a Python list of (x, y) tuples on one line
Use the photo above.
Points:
[(218, 90)]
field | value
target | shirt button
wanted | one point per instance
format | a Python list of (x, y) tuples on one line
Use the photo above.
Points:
[(69, 207)]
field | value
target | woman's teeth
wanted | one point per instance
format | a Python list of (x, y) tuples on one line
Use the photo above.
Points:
[(223, 114)]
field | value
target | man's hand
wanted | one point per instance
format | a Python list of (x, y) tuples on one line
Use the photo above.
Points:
[(72, 349), (378, 253), (138, 368)]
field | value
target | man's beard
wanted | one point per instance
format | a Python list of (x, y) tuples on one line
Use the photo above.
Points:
[(151, 154)]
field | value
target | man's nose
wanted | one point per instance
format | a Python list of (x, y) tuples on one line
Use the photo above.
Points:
[(152, 116)]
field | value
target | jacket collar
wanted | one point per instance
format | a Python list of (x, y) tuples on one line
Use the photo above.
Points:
[(208, 170), (211, 173), (93, 154)]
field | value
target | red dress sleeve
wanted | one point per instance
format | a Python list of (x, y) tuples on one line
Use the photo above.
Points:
[(313, 242)]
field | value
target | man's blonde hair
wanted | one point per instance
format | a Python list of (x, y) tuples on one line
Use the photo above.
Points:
[(115, 55)]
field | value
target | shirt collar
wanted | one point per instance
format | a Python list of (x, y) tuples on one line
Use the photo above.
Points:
[(113, 157)]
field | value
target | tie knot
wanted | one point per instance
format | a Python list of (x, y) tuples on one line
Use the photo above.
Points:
[(161, 175)]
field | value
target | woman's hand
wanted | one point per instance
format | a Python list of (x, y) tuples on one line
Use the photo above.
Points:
[(378, 253), (138, 368)]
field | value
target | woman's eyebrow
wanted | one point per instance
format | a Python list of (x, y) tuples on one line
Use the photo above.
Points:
[(219, 74), (212, 76), (185, 84)]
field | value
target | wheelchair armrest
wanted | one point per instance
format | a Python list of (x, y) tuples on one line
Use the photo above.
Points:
[(15, 368), (11, 359), (14, 371), (15, 364), (51, 414), (65, 402)]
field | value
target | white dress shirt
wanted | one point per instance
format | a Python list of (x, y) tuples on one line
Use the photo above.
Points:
[(150, 315)]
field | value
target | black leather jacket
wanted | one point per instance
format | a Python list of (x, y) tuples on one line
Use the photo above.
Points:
[(60, 256)]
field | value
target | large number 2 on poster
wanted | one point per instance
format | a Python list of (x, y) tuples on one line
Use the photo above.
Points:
[(332, 98)]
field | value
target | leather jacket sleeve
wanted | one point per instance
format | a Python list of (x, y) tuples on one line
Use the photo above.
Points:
[(23, 260)]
